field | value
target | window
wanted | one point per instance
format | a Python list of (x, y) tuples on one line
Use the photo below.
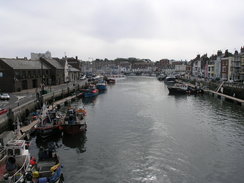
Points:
[(17, 152), (23, 73), (224, 68), (10, 152)]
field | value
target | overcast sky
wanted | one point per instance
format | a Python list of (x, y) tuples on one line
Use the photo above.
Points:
[(89, 29)]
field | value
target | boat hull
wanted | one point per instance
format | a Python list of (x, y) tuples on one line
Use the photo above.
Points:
[(101, 87), (45, 132), (90, 94), (177, 91)]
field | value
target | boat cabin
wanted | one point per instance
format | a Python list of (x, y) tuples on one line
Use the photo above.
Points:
[(16, 148)]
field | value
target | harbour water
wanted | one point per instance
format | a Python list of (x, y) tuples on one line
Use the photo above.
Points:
[(139, 133)]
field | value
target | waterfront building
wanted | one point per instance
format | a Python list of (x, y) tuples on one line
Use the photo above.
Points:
[(142, 66), (180, 67), (125, 66), (242, 63), (86, 67), (21, 74), (189, 68), (56, 69), (74, 62), (217, 65), (226, 66), (210, 66), (74, 74), (236, 67), (196, 68)]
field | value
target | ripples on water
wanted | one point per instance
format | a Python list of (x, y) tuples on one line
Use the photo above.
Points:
[(139, 133)]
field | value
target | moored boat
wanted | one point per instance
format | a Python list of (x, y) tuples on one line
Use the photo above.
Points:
[(195, 90), (177, 88), (91, 91), (170, 80), (16, 162), (161, 77), (48, 168), (74, 122), (110, 81), (49, 125), (101, 85)]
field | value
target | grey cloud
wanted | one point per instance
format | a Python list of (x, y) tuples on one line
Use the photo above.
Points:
[(94, 28)]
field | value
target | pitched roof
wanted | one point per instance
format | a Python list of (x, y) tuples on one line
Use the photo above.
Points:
[(72, 69), (54, 63), (24, 64)]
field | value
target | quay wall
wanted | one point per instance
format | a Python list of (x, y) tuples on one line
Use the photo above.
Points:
[(7, 120), (3, 122)]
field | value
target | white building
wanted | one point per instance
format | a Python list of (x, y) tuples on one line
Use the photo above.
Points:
[(196, 69), (180, 68), (37, 56)]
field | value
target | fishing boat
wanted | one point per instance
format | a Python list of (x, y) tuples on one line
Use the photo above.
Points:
[(16, 162), (195, 90), (161, 77), (50, 122), (101, 85), (91, 91), (48, 168), (170, 80), (74, 122), (178, 88), (110, 81)]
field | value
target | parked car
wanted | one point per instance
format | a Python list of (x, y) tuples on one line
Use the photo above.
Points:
[(2, 111), (83, 77), (4, 96)]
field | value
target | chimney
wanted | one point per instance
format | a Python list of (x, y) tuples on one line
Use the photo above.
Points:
[(242, 49), (219, 53), (76, 57)]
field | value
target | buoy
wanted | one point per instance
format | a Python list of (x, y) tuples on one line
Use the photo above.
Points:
[(35, 174)]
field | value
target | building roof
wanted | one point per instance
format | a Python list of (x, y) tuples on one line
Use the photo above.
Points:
[(24, 64), (54, 63), (72, 69)]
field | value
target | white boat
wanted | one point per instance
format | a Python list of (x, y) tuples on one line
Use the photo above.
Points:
[(16, 162), (170, 80)]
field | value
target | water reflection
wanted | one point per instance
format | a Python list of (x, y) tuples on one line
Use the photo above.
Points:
[(43, 142), (139, 133), (102, 92), (75, 141), (90, 100)]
